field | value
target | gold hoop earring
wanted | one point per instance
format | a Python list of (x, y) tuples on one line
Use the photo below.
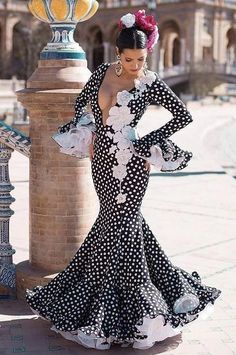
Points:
[(145, 68), (118, 67)]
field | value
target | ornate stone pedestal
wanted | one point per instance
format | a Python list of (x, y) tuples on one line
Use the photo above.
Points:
[(61, 191), (62, 197)]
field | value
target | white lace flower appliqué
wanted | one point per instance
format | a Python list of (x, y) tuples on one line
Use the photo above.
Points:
[(110, 135), (112, 149), (124, 97), (139, 86), (149, 78), (123, 156), (141, 83), (119, 117), (121, 198), (121, 140), (119, 171)]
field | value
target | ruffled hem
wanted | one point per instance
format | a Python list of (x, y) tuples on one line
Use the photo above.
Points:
[(154, 329), (156, 320)]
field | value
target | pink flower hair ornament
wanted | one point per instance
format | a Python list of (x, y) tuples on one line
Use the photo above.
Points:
[(143, 22)]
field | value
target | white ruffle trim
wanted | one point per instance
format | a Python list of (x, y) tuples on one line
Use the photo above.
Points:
[(157, 159), (152, 327), (76, 141), (160, 163), (156, 331)]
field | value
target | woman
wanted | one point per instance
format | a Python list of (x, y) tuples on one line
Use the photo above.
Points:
[(120, 287)]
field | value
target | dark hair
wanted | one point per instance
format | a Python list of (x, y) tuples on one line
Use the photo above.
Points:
[(131, 38)]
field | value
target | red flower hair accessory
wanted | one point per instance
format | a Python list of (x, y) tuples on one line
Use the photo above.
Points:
[(145, 23)]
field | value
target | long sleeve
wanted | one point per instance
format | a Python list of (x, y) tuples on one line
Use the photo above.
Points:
[(82, 100), (163, 95), (160, 93)]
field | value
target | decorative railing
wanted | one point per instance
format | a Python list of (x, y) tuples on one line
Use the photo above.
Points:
[(174, 71), (10, 139), (121, 3), (214, 68), (15, 139), (199, 68), (226, 3), (124, 3), (167, 1)]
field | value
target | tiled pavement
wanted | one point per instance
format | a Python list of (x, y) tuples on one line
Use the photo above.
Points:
[(192, 214)]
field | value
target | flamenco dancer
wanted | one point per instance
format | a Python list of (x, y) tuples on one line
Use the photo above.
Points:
[(120, 287)]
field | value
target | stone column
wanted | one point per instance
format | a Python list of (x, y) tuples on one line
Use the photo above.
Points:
[(216, 36), (198, 34), (224, 26), (154, 58), (182, 52), (158, 57), (170, 50), (62, 197), (161, 61), (106, 46)]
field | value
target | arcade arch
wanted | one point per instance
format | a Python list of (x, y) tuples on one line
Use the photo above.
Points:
[(170, 46), (231, 46), (95, 48)]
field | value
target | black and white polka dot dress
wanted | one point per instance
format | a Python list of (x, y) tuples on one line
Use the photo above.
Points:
[(120, 287)]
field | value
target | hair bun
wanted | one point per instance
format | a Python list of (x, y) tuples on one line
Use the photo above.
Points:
[(140, 20)]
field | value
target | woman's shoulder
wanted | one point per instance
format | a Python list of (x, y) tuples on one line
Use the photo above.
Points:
[(155, 79), (101, 67), (99, 71), (150, 78), (153, 74)]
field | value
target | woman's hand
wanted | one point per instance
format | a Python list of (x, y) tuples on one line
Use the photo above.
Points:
[(147, 166)]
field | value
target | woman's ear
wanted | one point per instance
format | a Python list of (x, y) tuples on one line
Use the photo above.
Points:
[(117, 51)]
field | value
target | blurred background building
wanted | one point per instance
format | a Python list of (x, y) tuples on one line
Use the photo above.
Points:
[(196, 50)]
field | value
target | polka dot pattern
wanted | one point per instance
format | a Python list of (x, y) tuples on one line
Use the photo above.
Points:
[(120, 274), (160, 93)]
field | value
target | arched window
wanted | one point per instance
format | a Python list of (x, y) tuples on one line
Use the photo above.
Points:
[(231, 46), (98, 49), (27, 44), (20, 55), (170, 43)]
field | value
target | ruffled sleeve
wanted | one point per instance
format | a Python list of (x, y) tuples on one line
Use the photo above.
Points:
[(75, 136), (82, 100), (156, 147), (76, 141)]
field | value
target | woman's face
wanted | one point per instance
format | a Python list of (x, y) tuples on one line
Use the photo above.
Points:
[(133, 60)]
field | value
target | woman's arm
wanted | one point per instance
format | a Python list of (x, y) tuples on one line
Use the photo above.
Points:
[(82, 100), (161, 93)]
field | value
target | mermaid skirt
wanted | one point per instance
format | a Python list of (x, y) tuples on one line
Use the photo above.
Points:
[(120, 287)]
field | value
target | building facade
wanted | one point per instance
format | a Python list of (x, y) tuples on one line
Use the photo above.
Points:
[(193, 34)]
